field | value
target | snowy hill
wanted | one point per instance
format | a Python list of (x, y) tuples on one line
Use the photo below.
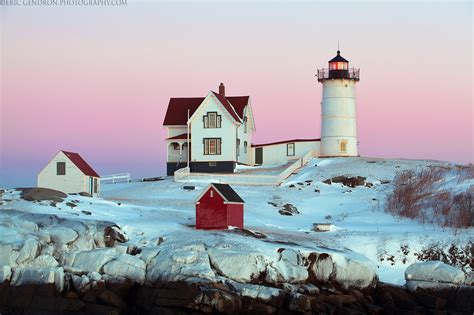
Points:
[(150, 212)]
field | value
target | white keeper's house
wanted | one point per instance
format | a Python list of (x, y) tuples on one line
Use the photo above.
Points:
[(218, 128), (70, 173)]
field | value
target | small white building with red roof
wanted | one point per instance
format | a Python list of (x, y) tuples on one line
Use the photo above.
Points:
[(70, 173)]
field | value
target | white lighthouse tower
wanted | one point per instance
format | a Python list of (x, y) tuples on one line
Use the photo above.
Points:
[(338, 108)]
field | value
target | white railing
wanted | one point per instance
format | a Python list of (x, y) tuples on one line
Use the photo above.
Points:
[(115, 178), (184, 174)]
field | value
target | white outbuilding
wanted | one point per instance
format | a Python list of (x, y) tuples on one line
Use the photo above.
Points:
[(70, 173)]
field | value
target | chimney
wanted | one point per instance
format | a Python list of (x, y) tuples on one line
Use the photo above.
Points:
[(222, 89)]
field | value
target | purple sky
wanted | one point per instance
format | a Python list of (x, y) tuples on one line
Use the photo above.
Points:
[(97, 80)]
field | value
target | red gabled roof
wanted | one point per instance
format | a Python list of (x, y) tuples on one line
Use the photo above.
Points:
[(81, 163), (177, 112), (228, 106), (286, 141), (183, 136)]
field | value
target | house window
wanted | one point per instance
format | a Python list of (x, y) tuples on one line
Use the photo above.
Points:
[(245, 124), (61, 168), (212, 146), (343, 146), (176, 146), (212, 194), (95, 185), (212, 120), (237, 147), (290, 149), (245, 146)]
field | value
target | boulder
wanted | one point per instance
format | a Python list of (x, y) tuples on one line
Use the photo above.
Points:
[(268, 295), (178, 263), (39, 275), (44, 261), (29, 251), (81, 284), (5, 273), (288, 209), (8, 255), (62, 235), (289, 268), (113, 234), (434, 271), (93, 260), (236, 264), (41, 194), (126, 266)]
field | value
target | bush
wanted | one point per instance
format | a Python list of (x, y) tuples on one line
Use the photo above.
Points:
[(419, 195)]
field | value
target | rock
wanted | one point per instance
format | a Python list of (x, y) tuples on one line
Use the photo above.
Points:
[(86, 212), (222, 302), (148, 253), (93, 260), (179, 262), (84, 194), (81, 284), (289, 268), (41, 194), (237, 265), (62, 235), (127, 266), (95, 276), (29, 251), (113, 234), (189, 187), (111, 298), (29, 225), (39, 275), (5, 273), (71, 205), (268, 295), (45, 261), (323, 267), (347, 180), (465, 299), (84, 242), (288, 209), (299, 303), (8, 255), (434, 271)]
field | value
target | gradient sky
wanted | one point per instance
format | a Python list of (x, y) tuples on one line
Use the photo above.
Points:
[(97, 80)]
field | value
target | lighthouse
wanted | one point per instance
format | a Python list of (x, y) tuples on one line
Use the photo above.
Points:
[(338, 108)]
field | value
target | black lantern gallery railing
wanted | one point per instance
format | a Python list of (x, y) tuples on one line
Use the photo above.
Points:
[(325, 74)]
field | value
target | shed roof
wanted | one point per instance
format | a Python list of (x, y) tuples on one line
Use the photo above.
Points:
[(80, 163), (225, 191)]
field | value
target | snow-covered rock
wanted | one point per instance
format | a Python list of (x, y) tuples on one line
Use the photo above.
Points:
[(62, 235), (236, 264), (8, 255), (353, 270), (84, 242), (92, 260), (434, 271), (44, 261), (256, 291), (81, 283), (29, 225), (323, 267), (126, 266), (29, 251), (148, 253), (39, 275), (288, 269), (5, 273), (175, 262)]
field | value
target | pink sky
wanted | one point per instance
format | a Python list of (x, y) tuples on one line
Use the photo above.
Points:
[(97, 80)]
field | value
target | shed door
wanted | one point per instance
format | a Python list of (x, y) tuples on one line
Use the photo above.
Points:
[(258, 155)]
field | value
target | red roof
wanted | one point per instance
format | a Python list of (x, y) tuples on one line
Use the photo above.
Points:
[(81, 164), (177, 112), (180, 137), (286, 141)]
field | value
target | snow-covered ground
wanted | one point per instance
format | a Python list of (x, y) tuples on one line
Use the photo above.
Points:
[(147, 211)]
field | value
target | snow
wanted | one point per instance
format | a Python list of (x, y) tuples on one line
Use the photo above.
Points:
[(362, 234), (42, 275), (127, 266)]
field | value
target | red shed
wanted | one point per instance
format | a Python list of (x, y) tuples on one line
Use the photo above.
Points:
[(219, 207)]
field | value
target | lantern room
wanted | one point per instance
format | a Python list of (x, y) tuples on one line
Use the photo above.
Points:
[(338, 63), (338, 69)]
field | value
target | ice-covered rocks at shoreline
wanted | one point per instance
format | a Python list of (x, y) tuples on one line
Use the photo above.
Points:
[(433, 275)]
